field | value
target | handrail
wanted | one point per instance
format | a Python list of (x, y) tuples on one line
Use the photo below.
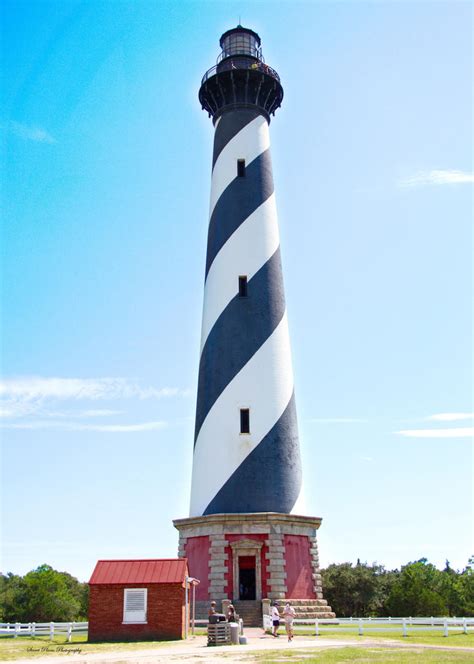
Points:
[(236, 64)]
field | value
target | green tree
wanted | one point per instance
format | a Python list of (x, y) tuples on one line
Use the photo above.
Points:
[(13, 598), (466, 590), (449, 586), (49, 597), (417, 591), (358, 590), (42, 595), (80, 592)]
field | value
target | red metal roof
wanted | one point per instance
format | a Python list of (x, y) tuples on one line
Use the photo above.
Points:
[(164, 570)]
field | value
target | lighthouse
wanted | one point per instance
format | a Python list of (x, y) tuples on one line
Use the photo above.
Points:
[(241, 539), (246, 415)]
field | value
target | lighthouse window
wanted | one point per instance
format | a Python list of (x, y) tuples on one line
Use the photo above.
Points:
[(240, 43), (244, 420), (242, 286), (241, 168)]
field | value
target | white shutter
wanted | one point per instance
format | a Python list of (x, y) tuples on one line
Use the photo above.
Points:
[(134, 605)]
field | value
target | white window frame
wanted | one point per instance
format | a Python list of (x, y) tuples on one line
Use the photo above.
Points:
[(127, 620)]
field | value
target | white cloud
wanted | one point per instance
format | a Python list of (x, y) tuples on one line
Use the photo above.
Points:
[(462, 432), (450, 417), (338, 420), (99, 413), (125, 428), (30, 132), (27, 395), (95, 412), (76, 426), (12, 408), (38, 543), (30, 388), (436, 177)]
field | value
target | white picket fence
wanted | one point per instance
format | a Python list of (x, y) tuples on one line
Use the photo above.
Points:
[(408, 625), (44, 629), (363, 626), (358, 626)]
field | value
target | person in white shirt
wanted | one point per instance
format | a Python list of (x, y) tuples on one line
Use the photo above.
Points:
[(275, 619), (289, 616)]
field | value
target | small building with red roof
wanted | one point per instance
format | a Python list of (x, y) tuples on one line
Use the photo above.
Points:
[(138, 599)]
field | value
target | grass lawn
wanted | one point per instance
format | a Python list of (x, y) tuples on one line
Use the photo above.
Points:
[(435, 638), (25, 647), (11, 648), (349, 655)]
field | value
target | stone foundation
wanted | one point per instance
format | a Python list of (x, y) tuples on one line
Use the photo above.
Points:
[(281, 548)]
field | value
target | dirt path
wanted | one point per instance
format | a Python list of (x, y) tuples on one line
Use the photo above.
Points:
[(193, 650), (196, 650)]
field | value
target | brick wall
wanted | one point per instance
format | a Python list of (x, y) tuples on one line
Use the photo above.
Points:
[(165, 613)]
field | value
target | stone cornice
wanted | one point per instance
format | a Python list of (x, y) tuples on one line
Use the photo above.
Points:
[(257, 518), (246, 544)]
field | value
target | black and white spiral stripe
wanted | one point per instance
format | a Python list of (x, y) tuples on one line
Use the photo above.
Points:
[(245, 349)]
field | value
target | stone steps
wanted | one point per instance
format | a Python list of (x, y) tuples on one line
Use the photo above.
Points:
[(310, 609), (322, 615), (250, 611), (306, 602)]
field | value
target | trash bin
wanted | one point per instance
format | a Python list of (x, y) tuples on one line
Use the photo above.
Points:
[(215, 618), (234, 633)]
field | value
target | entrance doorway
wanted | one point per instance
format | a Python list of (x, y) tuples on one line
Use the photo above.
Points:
[(247, 580), (247, 569)]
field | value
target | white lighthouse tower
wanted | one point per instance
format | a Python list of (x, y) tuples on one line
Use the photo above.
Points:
[(241, 539), (246, 416)]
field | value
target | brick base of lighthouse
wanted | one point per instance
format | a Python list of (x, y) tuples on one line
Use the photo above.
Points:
[(248, 559)]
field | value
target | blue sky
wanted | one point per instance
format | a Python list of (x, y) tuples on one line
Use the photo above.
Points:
[(106, 175)]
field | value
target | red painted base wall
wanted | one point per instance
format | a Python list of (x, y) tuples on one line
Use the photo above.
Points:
[(299, 580), (298, 567), (197, 553), (165, 613)]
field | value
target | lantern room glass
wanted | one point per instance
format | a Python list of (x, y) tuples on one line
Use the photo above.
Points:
[(240, 43)]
